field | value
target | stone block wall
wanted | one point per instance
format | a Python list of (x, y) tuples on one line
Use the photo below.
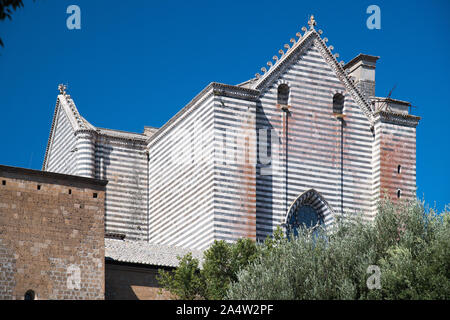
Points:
[(51, 235)]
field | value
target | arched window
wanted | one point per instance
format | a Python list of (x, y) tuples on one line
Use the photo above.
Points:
[(29, 295), (305, 216), (309, 210), (338, 103), (283, 94)]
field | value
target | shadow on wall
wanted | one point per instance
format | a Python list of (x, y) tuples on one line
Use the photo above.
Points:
[(264, 174), (127, 281)]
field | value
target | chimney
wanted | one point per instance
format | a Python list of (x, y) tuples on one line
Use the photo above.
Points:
[(362, 69)]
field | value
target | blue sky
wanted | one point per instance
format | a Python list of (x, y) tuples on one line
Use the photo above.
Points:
[(136, 63)]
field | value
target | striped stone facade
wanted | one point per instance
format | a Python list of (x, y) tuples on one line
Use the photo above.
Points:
[(61, 156), (324, 153), (77, 147), (124, 164), (235, 160), (181, 178)]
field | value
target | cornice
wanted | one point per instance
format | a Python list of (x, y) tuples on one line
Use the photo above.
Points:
[(213, 89), (361, 57), (402, 119), (220, 89), (58, 177), (126, 140), (191, 106)]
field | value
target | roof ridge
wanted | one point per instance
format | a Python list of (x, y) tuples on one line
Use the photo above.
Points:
[(283, 56), (213, 88), (121, 131), (315, 36), (52, 129)]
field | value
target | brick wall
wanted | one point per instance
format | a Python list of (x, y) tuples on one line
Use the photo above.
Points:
[(51, 235), (394, 157), (398, 148)]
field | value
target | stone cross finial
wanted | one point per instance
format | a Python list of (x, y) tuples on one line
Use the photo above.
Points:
[(62, 89), (312, 22)]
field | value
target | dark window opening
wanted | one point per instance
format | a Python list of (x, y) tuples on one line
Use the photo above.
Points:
[(39, 187), (283, 94), (95, 195), (70, 191), (29, 295), (399, 193), (399, 169), (305, 216), (112, 235), (4, 182), (338, 103)]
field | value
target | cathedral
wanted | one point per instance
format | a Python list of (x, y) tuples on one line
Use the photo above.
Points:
[(302, 142)]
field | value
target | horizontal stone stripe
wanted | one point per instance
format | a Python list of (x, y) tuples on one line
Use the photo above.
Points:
[(61, 159)]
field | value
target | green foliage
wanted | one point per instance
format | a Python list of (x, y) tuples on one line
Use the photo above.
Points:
[(409, 245), (185, 283), (6, 9), (222, 261), (8, 6), (418, 265)]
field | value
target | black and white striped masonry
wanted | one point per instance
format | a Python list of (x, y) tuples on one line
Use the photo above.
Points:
[(237, 158)]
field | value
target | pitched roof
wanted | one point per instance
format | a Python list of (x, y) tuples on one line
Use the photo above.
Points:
[(64, 103), (59, 107), (143, 252), (214, 88), (121, 134), (291, 54), (253, 87)]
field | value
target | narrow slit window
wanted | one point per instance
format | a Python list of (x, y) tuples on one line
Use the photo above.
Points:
[(70, 191), (399, 193), (399, 169), (338, 103), (283, 94)]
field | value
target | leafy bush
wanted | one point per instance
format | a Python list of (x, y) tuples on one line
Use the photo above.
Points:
[(185, 283), (410, 246), (222, 261)]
